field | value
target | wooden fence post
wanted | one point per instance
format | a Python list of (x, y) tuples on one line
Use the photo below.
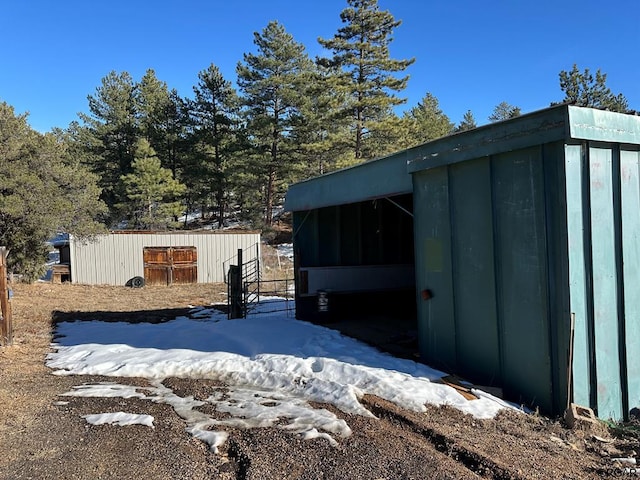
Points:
[(6, 324)]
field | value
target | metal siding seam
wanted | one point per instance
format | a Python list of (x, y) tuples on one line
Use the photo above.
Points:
[(518, 200), (464, 267), (80, 278), (213, 263), (550, 181), (200, 242), (204, 263), (123, 251), (72, 259), (137, 256), (586, 211), (630, 205), (115, 262), (497, 270), (617, 216), (97, 252), (122, 255), (574, 192), (605, 283), (93, 264), (453, 243), (104, 267)]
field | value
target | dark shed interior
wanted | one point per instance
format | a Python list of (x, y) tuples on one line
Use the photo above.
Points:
[(357, 271)]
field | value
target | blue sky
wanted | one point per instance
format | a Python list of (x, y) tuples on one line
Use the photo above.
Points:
[(470, 54)]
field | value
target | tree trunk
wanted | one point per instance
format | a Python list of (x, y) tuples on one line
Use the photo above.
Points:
[(220, 201), (6, 322), (268, 217)]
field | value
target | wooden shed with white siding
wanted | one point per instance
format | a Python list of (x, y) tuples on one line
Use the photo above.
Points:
[(162, 258)]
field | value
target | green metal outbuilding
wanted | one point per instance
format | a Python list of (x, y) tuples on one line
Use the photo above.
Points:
[(525, 252)]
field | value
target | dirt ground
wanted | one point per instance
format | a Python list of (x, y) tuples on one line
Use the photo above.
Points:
[(43, 439)]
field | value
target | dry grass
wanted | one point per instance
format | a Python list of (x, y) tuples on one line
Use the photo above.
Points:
[(33, 307), (274, 265)]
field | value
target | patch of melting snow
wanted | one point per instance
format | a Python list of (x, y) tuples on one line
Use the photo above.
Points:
[(246, 407), (119, 418), (273, 366)]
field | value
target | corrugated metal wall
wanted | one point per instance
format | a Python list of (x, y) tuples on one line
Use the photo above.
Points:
[(511, 246), (116, 258), (481, 249), (603, 206)]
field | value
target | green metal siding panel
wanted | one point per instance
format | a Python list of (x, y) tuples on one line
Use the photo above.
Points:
[(350, 236), (605, 309), (630, 205), (518, 189), (433, 268), (383, 177), (577, 274), (477, 342), (305, 228), (329, 236), (558, 271), (525, 131), (603, 126)]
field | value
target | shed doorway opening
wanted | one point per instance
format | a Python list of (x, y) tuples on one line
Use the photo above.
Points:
[(170, 265), (355, 270)]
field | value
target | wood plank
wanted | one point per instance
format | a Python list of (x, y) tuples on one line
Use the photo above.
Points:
[(158, 255), (187, 255), (169, 265), (6, 322), (156, 275), (457, 383), (186, 274)]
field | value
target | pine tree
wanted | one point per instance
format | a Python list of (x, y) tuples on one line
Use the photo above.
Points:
[(152, 191), (425, 122), (110, 133), (153, 108), (121, 112), (468, 122), (215, 111), (271, 83), (322, 132), (504, 111), (585, 90), (83, 214), (177, 128), (43, 190), (361, 51)]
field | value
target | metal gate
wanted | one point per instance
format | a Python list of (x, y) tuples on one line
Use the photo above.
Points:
[(248, 291), (169, 265)]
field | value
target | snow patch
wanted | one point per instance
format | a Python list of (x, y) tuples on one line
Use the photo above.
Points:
[(273, 366), (119, 418)]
